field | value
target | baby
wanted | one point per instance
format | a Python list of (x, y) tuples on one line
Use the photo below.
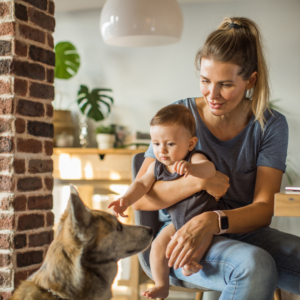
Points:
[(172, 132)]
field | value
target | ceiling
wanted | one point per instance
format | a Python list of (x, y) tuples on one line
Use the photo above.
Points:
[(68, 5)]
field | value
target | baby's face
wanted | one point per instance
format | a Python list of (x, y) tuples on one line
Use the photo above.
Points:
[(170, 143)]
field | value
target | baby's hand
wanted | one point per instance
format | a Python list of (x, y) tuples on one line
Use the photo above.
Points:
[(119, 206), (183, 167)]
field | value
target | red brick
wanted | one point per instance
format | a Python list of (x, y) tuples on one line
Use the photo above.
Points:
[(6, 221), (5, 279), (21, 12), (5, 47), (19, 277), (5, 66), (49, 183), (40, 202), (29, 258), (41, 4), (41, 19), (5, 260), (28, 70), (29, 146), (7, 28), (20, 87), (49, 111), (32, 221), (19, 203), (21, 49), (7, 183), (50, 75), (42, 55), (5, 125), (19, 166), (51, 8), (6, 145), (40, 239), (5, 87), (31, 33), (40, 166), (43, 91), (20, 125), (29, 184), (30, 108), (40, 129), (5, 163), (50, 219), (20, 241), (6, 106), (5, 241), (5, 204), (4, 10), (48, 146), (5, 295), (50, 40)]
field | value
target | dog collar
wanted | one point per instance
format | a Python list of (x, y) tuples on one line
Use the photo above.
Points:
[(55, 295)]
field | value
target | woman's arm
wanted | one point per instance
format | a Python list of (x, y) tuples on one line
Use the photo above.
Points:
[(166, 193), (241, 220)]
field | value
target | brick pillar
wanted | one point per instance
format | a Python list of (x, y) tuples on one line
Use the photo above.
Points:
[(26, 90)]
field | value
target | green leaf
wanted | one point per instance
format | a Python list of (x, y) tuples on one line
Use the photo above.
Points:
[(91, 103), (67, 60)]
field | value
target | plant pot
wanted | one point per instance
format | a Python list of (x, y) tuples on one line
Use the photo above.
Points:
[(105, 141)]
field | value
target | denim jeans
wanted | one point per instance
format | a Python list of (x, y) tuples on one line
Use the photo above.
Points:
[(250, 266)]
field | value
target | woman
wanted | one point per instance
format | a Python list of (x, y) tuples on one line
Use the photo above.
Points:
[(248, 143)]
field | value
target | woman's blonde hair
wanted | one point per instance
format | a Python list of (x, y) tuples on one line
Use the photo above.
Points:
[(238, 40)]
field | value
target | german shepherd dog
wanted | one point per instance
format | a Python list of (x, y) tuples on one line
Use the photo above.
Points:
[(81, 262)]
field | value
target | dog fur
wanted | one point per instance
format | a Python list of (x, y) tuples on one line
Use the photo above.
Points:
[(81, 262)]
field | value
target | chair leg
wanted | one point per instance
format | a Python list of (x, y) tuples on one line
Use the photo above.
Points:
[(277, 294), (199, 296)]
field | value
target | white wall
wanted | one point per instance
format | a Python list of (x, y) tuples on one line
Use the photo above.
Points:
[(145, 79)]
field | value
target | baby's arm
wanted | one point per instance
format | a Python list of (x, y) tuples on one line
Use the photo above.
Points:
[(199, 167), (136, 190)]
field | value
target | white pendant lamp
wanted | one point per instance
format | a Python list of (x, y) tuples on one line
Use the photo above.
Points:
[(141, 23)]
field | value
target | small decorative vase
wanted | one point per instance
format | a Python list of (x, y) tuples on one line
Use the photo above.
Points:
[(83, 131), (105, 141)]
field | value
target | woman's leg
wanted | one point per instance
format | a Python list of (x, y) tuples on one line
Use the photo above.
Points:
[(285, 250), (238, 270), (159, 264)]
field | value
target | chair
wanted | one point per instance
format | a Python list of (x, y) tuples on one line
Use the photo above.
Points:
[(150, 218)]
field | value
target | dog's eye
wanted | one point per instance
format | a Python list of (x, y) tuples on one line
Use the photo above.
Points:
[(119, 227)]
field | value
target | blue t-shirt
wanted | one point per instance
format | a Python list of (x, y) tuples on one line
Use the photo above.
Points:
[(239, 157)]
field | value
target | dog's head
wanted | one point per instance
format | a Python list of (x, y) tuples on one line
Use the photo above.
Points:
[(102, 236)]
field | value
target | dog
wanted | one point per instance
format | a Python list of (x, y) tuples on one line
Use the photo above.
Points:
[(81, 262)]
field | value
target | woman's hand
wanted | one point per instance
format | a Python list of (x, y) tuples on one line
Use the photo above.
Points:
[(216, 186), (188, 239)]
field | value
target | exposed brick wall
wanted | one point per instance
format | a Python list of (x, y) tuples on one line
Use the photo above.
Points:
[(27, 63)]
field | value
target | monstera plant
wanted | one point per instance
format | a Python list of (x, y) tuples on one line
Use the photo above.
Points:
[(67, 60), (95, 104)]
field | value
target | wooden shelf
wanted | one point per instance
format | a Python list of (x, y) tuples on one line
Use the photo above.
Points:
[(287, 204), (96, 151)]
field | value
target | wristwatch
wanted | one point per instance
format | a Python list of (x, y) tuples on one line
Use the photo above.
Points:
[(223, 222)]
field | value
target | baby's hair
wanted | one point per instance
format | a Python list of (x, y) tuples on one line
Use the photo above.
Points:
[(175, 114)]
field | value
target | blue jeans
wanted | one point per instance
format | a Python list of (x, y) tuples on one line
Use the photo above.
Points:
[(250, 266)]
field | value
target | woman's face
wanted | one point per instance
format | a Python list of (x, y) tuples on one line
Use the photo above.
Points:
[(221, 86)]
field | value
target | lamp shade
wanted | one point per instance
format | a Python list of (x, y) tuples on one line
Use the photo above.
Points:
[(138, 23)]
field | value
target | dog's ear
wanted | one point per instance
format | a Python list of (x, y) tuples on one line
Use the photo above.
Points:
[(80, 214)]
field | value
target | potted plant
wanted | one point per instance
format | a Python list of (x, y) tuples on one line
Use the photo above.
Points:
[(105, 136), (96, 105)]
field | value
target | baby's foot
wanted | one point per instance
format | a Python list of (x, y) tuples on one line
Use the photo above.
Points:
[(191, 268), (158, 291)]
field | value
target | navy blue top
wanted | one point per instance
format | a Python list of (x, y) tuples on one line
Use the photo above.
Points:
[(239, 157)]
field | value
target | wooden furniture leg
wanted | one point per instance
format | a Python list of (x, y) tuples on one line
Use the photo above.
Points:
[(199, 296), (277, 294)]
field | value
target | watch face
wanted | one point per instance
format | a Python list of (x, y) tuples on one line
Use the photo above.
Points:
[(224, 223)]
